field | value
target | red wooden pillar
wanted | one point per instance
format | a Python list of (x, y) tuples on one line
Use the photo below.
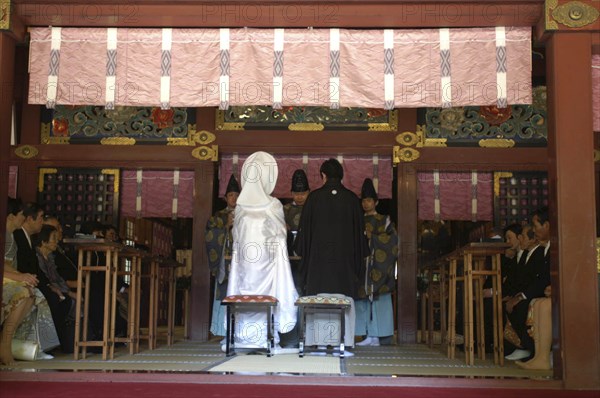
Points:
[(7, 61), (407, 254), (200, 300), (572, 208), (30, 135)]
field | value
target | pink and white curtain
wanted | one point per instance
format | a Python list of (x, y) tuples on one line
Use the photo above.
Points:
[(280, 67), (596, 90), (356, 169), (455, 196), (151, 193)]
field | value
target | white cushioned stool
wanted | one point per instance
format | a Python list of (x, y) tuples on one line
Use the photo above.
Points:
[(318, 305), (246, 302)]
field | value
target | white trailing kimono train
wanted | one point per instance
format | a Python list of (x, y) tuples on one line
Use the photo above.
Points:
[(260, 263)]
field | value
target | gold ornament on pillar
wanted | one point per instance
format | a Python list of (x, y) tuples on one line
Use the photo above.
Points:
[(404, 154), (206, 153), (203, 137), (574, 14), (407, 138), (26, 151), (5, 14)]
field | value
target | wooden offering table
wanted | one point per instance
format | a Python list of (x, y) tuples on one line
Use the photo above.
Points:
[(474, 256), (167, 266), (134, 257), (436, 291), (88, 250)]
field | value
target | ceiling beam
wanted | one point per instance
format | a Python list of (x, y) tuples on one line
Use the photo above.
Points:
[(299, 14)]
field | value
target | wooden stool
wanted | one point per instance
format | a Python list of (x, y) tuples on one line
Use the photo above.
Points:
[(322, 304), (248, 302)]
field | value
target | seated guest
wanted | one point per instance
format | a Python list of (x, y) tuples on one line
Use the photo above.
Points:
[(508, 267), (511, 259), (58, 294), (47, 242), (25, 315), (65, 266), (17, 301), (540, 309), (26, 257), (110, 233), (535, 277)]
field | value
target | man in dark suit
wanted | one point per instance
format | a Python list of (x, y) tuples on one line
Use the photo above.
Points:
[(537, 278), (26, 257), (331, 238), (27, 262)]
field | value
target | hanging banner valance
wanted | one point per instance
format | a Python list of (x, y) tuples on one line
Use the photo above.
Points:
[(455, 196), (280, 67), (150, 193), (596, 90), (356, 169)]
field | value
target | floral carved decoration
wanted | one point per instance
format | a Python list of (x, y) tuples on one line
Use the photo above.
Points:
[(162, 118)]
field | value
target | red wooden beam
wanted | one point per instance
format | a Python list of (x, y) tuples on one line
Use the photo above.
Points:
[(160, 156), (254, 13)]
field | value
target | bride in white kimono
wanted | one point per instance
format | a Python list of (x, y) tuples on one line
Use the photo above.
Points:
[(260, 263)]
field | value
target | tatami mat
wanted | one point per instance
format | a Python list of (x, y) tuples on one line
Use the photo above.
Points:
[(285, 363), (187, 356), (420, 360)]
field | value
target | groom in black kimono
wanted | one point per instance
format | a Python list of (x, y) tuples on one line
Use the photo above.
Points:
[(331, 239)]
